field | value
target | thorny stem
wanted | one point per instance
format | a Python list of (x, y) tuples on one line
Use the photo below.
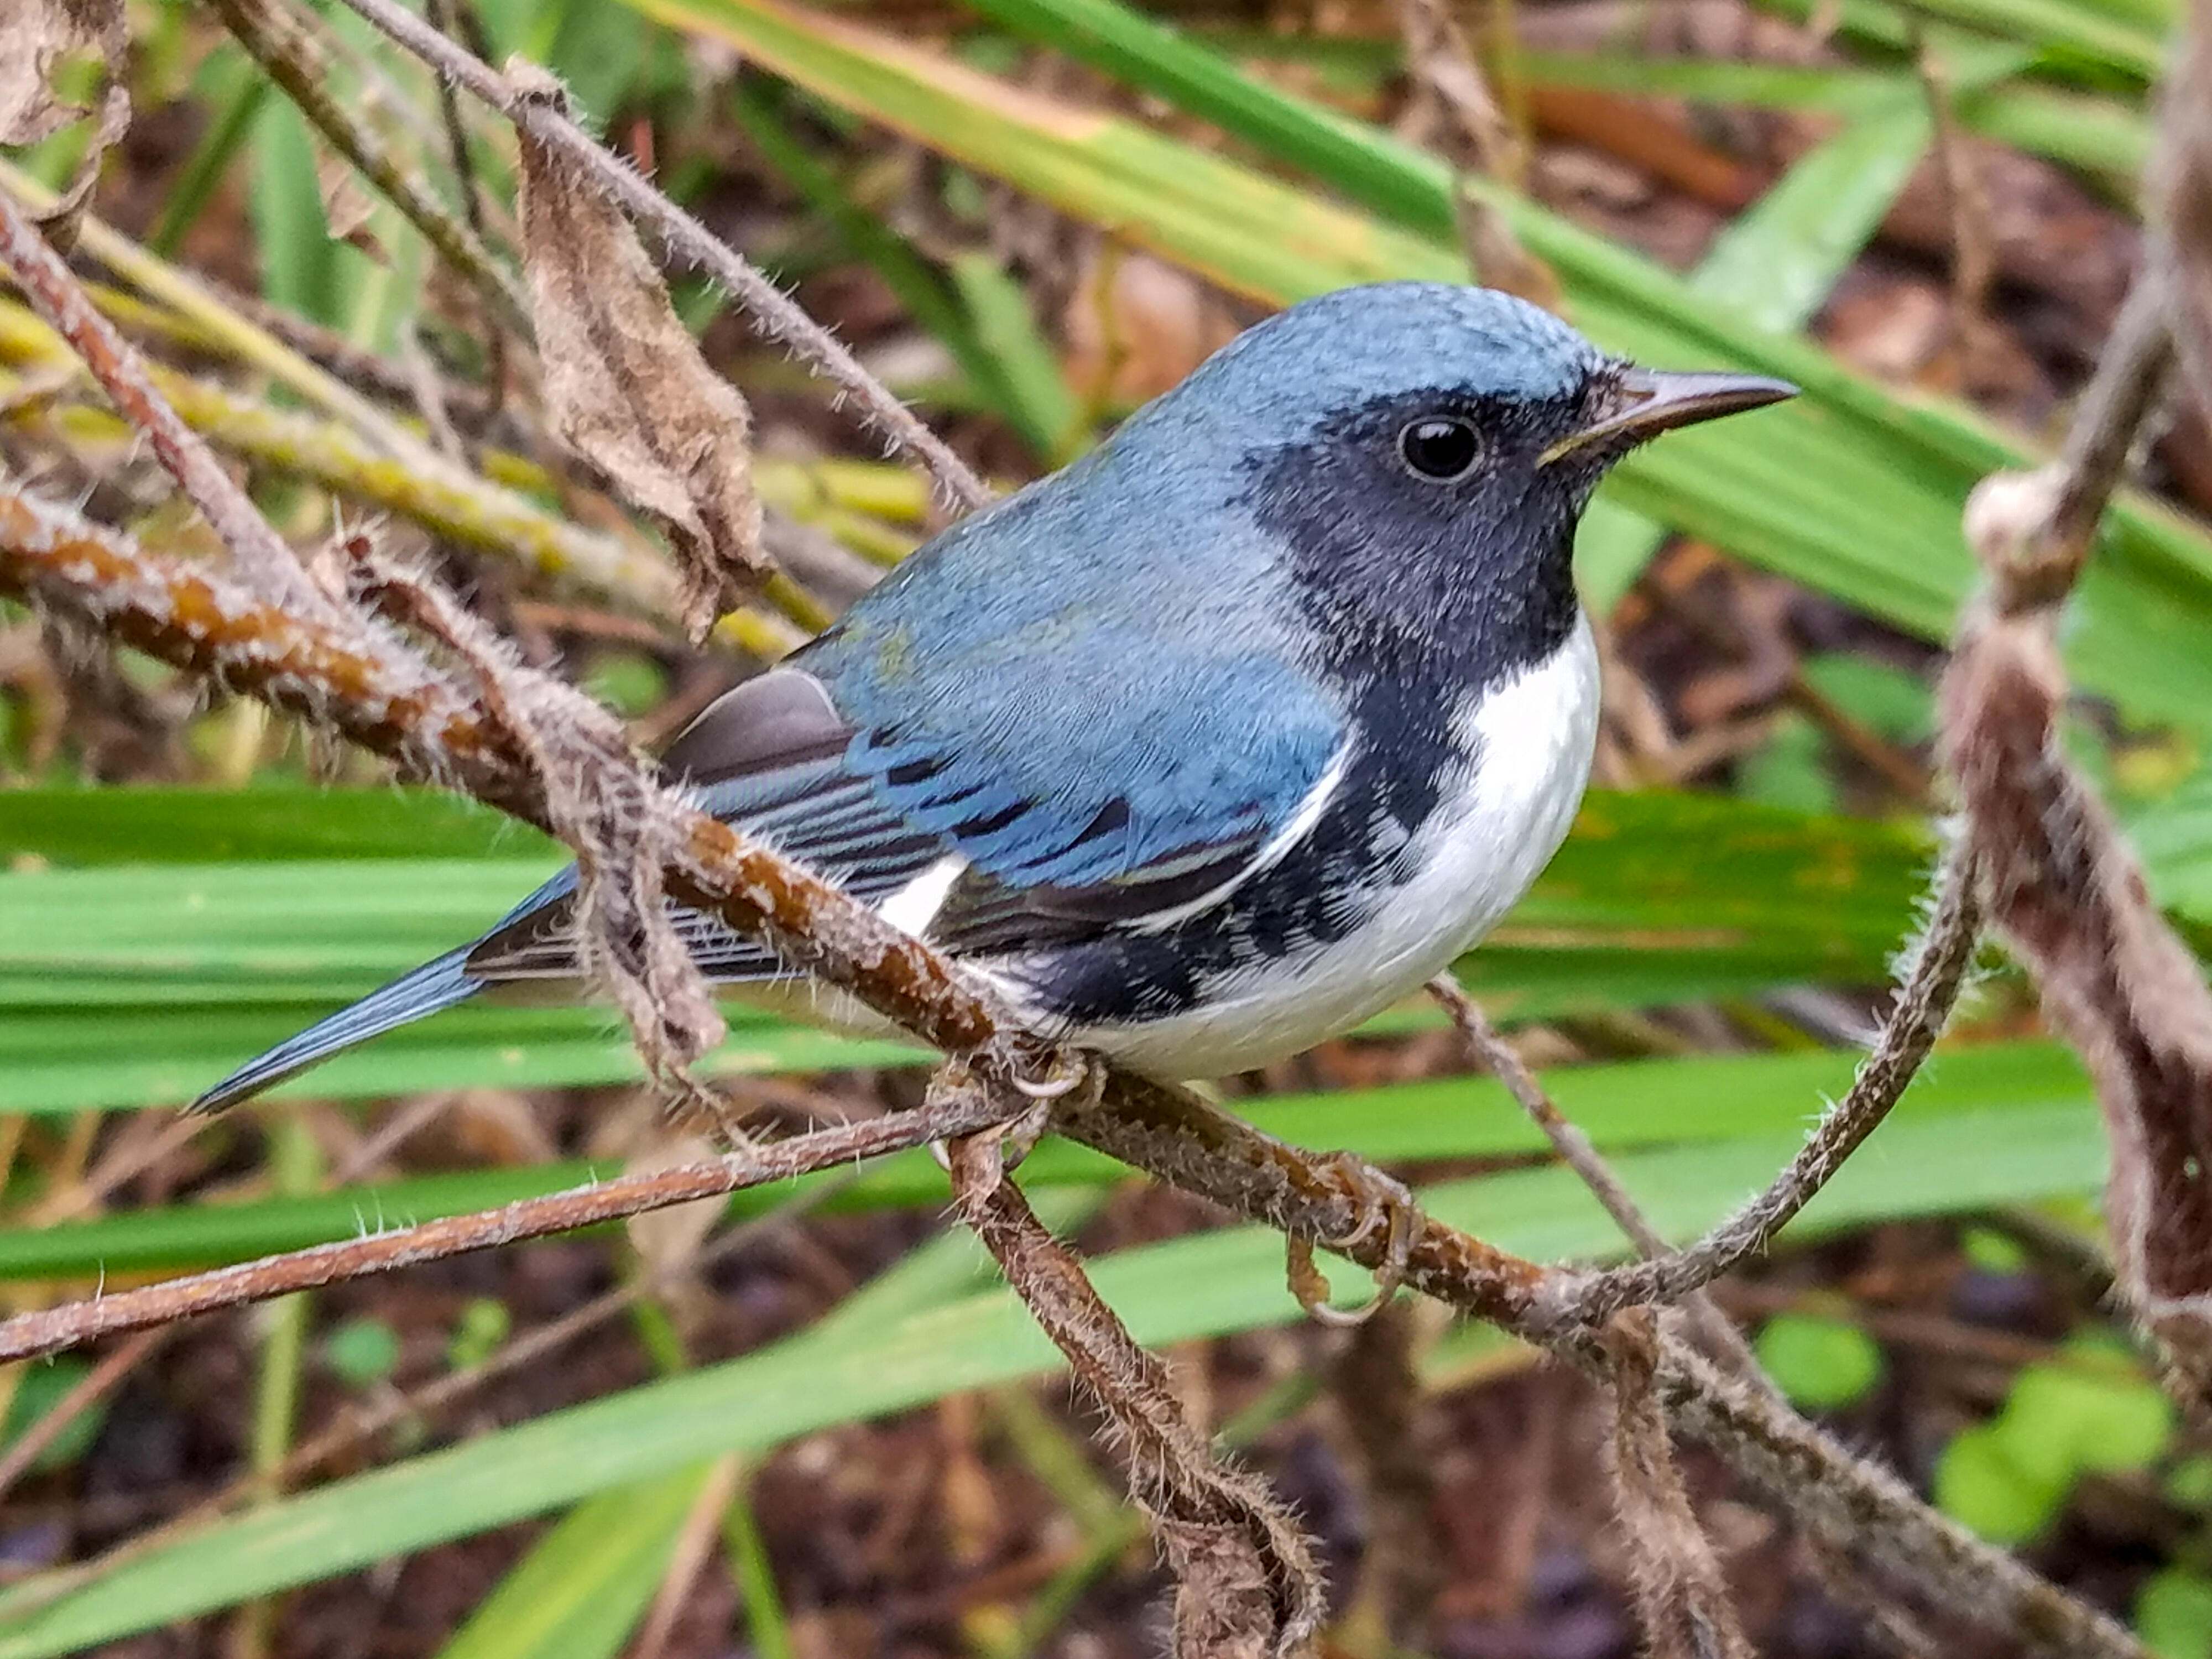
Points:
[(48, 1330), (276, 39), (683, 238), (1924, 1004), (58, 296)]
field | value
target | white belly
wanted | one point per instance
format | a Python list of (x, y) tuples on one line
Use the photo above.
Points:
[(1495, 828)]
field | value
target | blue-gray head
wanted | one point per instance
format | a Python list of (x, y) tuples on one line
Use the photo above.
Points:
[(1424, 449)]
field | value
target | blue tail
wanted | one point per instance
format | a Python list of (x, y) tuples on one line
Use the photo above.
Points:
[(436, 984)]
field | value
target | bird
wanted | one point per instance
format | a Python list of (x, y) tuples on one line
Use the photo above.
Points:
[(1209, 746)]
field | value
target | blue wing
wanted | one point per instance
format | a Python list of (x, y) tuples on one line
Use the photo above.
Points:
[(1083, 699)]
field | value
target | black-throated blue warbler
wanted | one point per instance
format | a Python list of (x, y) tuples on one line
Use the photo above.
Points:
[(1220, 741)]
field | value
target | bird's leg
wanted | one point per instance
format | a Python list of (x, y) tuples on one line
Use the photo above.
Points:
[(1379, 1201)]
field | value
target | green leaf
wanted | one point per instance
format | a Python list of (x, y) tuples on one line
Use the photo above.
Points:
[(362, 1351), (2093, 1413), (40, 1387), (1642, 1104), (126, 987), (2174, 1613), (1026, 365), (1820, 1365), (580, 1591), (1978, 1485), (302, 269)]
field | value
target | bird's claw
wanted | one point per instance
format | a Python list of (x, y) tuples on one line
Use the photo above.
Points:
[(1379, 1201), (1071, 1070)]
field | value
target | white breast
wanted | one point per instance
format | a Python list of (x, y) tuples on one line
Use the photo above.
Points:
[(1496, 824)]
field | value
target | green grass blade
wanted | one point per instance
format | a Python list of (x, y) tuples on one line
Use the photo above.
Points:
[(1922, 1164), (125, 986), (582, 1588), (1627, 1107), (1776, 261)]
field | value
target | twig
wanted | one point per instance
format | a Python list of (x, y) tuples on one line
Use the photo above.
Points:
[(364, 1420), (1973, 242), (1498, 1057), (1924, 1001), (49, 1330), (683, 238), (1715, 1329), (279, 42), (702, 1526), (1869, 1514), (2182, 182), (445, 15), (58, 296), (449, 501)]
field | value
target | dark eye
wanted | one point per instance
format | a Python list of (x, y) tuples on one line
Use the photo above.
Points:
[(1442, 447)]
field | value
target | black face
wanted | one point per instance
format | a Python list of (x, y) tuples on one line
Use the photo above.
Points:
[(1426, 534)]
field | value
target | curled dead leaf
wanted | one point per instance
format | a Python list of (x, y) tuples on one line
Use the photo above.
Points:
[(35, 36), (2067, 894), (625, 385)]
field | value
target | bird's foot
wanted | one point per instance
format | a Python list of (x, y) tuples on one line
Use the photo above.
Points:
[(1380, 1203), (1070, 1071)]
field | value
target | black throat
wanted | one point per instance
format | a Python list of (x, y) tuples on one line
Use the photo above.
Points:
[(1456, 586)]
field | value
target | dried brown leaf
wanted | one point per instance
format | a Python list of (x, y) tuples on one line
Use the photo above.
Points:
[(1246, 1586), (598, 801), (2067, 894), (1680, 1597), (35, 36), (625, 385)]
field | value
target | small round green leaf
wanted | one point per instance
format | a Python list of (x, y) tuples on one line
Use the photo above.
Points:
[(1820, 1365), (1978, 1484), (362, 1351)]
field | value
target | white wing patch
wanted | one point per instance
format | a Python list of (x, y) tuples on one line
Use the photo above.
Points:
[(914, 906), (1277, 847)]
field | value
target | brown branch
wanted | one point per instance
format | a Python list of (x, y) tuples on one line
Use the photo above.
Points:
[(1496, 1056), (1870, 1515), (49, 1330), (100, 1380), (1924, 1001), (280, 41), (373, 691), (684, 238), (60, 299), (200, 623)]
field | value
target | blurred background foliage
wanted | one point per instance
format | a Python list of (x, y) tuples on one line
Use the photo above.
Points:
[(1030, 215)]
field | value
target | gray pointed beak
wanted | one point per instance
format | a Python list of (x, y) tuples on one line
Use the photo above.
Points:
[(1645, 402)]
